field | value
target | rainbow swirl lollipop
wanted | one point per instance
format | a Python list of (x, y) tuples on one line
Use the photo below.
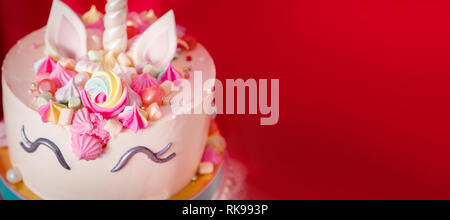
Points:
[(105, 94)]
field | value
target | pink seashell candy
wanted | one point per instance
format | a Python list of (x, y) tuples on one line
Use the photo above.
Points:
[(61, 76), (87, 147)]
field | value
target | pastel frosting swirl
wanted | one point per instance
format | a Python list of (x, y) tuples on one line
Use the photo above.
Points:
[(105, 94)]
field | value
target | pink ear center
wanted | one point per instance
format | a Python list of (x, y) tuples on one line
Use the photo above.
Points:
[(68, 41), (159, 49), (101, 98)]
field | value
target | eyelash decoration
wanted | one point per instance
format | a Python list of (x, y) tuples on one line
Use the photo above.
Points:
[(33, 146), (152, 156)]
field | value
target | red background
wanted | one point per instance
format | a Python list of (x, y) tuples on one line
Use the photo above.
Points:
[(364, 103)]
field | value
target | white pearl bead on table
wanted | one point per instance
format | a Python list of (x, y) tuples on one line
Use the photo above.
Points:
[(14, 176)]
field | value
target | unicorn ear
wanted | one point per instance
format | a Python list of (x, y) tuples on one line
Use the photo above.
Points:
[(66, 34), (158, 44)]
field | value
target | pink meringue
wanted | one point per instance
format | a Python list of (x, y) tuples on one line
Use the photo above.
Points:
[(212, 155), (61, 76), (133, 98), (142, 82), (81, 123), (43, 112), (87, 147), (171, 74), (88, 123), (134, 119), (47, 66)]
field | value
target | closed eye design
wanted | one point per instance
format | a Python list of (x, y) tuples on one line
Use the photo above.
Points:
[(155, 157), (33, 146)]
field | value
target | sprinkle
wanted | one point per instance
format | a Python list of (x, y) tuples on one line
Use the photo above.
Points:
[(189, 58), (205, 168)]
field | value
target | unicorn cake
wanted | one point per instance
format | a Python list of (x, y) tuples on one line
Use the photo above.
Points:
[(87, 104)]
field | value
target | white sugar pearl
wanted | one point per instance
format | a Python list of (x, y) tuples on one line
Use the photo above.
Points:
[(14, 176), (81, 78)]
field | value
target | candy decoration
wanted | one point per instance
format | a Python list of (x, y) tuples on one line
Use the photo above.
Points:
[(47, 85), (133, 98), (42, 76), (142, 82), (212, 155), (61, 76), (134, 119), (88, 123), (114, 127), (75, 103), (51, 112), (65, 117), (47, 65), (127, 74), (168, 87), (217, 141), (109, 62), (88, 67), (124, 60), (64, 94), (43, 99), (37, 65), (86, 147), (171, 74), (14, 176), (112, 86), (141, 23), (92, 16), (115, 36), (152, 95), (190, 40), (95, 56), (205, 168), (154, 112), (68, 63), (150, 69), (150, 16)]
